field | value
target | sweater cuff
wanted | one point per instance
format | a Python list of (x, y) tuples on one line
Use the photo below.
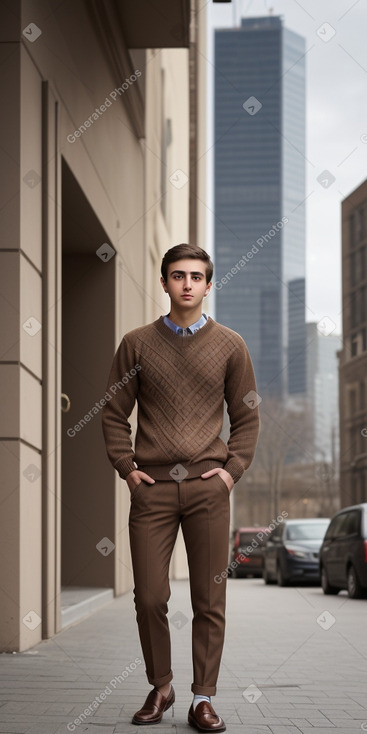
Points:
[(124, 467), (234, 468)]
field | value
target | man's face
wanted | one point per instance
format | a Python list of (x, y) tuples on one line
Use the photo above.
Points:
[(186, 282)]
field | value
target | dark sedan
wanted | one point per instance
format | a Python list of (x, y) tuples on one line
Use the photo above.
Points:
[(291, 552), (343, 555)]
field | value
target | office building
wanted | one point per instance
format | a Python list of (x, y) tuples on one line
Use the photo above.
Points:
[(323, 393), (353, 356), (259, 197)]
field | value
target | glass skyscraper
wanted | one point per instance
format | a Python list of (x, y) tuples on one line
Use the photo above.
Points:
[(259, 197)]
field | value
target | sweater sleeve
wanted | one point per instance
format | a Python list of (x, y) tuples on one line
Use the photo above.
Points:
[(123, 389), (243, 410)]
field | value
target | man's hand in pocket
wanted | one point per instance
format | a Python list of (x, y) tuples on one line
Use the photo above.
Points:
[(135, 477), (227, 478)]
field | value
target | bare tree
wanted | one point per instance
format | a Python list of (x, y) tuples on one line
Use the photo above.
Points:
[(284, 439)]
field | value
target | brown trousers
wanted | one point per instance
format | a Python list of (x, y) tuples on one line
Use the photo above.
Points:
[(156, 511)]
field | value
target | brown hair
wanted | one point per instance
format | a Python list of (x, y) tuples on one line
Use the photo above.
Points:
[(179, 252)]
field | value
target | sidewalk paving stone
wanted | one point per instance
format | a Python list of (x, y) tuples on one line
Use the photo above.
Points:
[(313, 680)]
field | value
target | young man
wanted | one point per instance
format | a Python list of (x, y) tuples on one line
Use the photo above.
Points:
[(180, 368)]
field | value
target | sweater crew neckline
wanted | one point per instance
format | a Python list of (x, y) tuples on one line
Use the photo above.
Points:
[(178, 338)]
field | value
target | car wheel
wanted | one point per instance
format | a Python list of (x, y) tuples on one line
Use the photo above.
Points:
[(353, 585), (266, 577), (327, 589), (281, 580)]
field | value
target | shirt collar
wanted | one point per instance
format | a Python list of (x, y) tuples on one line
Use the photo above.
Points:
[(189, 329)]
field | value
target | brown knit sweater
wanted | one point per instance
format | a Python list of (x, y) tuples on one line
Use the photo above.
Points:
[(180, 383)]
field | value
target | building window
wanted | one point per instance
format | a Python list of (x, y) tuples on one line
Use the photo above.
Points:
[(353, 310), (359, 218), (354, 345), (362, 395), (352, 406), (353, 269), (363, 304), (357, 226), (351, 231), (362, 440), (349, 441), (362, 265)]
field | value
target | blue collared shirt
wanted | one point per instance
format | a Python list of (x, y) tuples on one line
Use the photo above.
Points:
[(189, 329)]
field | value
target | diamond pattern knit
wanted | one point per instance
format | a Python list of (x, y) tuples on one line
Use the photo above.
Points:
[(180, 383)]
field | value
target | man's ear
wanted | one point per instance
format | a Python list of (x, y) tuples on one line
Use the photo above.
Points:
[(164, 284)]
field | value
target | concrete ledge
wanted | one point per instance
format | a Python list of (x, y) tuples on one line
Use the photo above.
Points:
[(78, 602)]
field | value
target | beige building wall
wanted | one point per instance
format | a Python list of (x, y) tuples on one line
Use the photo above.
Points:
[(167, 187), (67, 192)]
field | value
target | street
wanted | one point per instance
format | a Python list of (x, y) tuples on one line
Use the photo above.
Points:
[(294, 661)]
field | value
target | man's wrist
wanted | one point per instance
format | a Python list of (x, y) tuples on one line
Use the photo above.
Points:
[(234, 469), (125, 467)]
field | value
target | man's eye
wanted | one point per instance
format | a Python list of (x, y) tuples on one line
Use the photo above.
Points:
[(195, 277)]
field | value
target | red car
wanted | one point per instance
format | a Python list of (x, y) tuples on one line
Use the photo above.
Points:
[(246, 555)]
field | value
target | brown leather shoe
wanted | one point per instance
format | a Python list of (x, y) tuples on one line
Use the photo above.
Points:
[(204, 718), (154, 707)]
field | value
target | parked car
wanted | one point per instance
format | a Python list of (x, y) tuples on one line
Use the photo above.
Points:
[(343, 555), (246, 554), (291, 552)]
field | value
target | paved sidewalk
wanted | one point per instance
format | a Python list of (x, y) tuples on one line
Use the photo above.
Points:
[(283, 672)]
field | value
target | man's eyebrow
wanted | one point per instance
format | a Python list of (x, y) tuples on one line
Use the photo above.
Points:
[(183, 272)]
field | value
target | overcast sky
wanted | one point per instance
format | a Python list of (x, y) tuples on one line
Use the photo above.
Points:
[(336, 125)]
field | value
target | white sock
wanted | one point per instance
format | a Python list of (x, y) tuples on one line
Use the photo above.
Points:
[(197, 700)]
